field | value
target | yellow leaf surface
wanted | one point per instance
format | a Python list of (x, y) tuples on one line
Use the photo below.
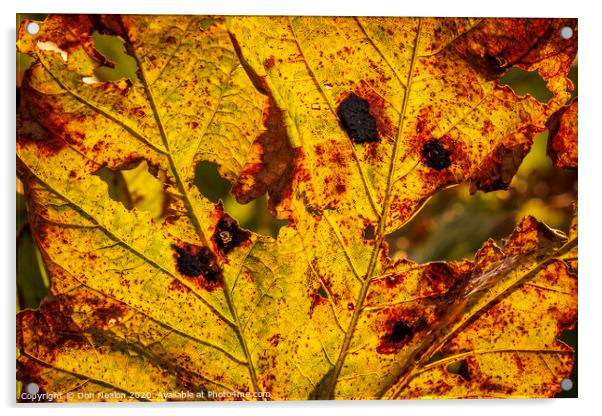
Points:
[(439, 119), (146, 192), (349, 125), (70, 129)]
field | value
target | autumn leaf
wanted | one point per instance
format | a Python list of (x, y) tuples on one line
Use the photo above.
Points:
[(562, 143), (349, 125), (153, 264)]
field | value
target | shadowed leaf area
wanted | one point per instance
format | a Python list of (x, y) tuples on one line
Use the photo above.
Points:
[(346, 127)]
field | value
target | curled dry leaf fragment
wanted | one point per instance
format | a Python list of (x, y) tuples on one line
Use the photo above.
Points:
[(562, 139)]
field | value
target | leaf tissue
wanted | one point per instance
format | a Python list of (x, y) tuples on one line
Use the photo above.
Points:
[(346, 126)]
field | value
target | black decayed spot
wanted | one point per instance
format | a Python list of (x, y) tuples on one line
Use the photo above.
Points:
[(400, 332), (493, 63), (229, 235), (463, 371), (435, 155), (197, 261), (360, 125)]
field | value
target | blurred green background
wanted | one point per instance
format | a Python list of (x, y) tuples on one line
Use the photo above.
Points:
[(452, 224)]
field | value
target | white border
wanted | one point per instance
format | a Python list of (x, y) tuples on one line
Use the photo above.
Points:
[(507, 8), (590, 157)]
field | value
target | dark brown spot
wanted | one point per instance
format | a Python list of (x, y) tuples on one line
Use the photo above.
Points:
[(228, 235), (319, 149), (138, 112), (269, 63), (275, 339), (495, 64), (393, 280), (110, 313), (356, 120), (398, 334), (32, 132), (195, 261), (435, 155)]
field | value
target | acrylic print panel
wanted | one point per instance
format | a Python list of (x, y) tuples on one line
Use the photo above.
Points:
[(295, 208)]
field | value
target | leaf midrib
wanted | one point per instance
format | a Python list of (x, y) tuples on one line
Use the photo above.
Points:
[(380, 234), (457, 357), (194, 215), (412, 367)]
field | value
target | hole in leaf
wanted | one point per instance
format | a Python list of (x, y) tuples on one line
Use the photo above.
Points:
[(570, 337), (113, 48), (90, 80), (210, 183), (32, 279), (53, 47), (526, 82), (369, 232), (146, 190), (460, 368), (117, 187), (322, 292), (252, 216), (454, 224), (136, 188), (205, 23), (435, 357)]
